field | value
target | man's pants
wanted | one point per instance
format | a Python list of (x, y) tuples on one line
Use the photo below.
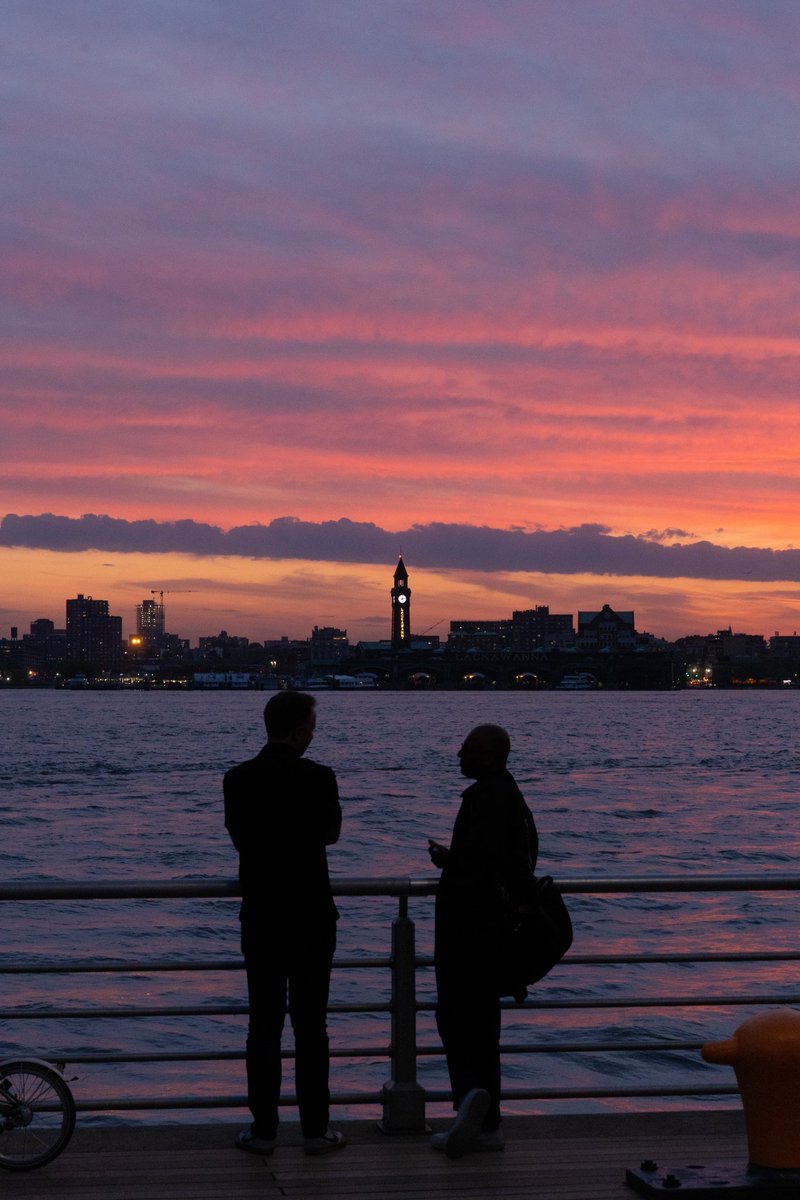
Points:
[(468, 1020), (293, 963)]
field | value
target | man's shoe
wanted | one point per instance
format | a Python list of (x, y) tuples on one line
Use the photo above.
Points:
[(331, 1140), (464, 1131), (246, 1140), (490, 1139), (487, 1139)]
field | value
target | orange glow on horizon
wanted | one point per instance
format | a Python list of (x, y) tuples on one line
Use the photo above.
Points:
[(282, 597)]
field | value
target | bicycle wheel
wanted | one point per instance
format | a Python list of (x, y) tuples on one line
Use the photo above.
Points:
[(37, 1114)]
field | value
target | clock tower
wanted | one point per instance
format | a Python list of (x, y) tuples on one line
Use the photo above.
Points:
[(401, 608)]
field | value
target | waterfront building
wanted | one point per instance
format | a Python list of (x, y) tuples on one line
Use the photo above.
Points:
[(428, 642), (730, 645), (43, 648), (328, 645), (691, 647), (785, 645), (222, 645), (537, 628), (726, 658), (287, 656), (480, 638), (606, 630), (727, 646), (94, 637)]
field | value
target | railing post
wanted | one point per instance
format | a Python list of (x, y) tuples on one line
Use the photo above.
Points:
[(403, 1097)]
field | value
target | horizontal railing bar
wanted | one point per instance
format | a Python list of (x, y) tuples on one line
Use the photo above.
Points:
[(521, 1048), (91, 1014), (159, 889), (79, 1058), (115, 1104), (682, 883), (154, 889), (583, 1047), (683, 956), (143, 967), (709, 1001), (239, 1010), (705, 1001), (599, 1093), (199, 1010), (208, 889), (677, 956), (115, 966)]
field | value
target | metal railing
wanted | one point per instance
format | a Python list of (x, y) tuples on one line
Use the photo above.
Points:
[(402, 1097)]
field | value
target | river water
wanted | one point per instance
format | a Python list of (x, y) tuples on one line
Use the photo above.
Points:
[(127, 785)]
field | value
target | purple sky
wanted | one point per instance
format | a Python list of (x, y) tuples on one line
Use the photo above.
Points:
[(512, 285)]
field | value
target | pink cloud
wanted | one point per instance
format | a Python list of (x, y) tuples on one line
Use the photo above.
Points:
[(463, 264)]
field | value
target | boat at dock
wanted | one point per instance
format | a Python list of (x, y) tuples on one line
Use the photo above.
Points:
[(343, 683), (578, 681)]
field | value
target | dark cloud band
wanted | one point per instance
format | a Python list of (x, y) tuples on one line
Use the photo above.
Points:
[(584, 549)]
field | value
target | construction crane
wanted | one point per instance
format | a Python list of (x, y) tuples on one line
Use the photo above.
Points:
[(162, 592)]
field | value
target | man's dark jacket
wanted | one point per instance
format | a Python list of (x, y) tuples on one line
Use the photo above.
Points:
[(494, 845), (281, 811)]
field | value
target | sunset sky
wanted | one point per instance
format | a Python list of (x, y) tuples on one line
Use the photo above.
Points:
[(291, 286)]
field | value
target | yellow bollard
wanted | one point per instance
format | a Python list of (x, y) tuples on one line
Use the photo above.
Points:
[(765, 1053)]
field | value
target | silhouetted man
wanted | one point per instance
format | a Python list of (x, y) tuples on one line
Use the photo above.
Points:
[(281, 811), (494, 845)]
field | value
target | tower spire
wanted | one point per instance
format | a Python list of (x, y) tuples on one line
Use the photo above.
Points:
[(401, 608)]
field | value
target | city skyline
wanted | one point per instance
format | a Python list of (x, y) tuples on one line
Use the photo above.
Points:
[(292, 289), (130, 624)]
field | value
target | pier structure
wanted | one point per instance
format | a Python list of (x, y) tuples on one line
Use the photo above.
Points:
[(546, 1158)]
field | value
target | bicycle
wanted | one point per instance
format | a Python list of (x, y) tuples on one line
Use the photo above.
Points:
[(37, 1113)]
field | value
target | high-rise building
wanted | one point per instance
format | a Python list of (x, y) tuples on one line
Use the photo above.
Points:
[(150, 624), (94, 638)]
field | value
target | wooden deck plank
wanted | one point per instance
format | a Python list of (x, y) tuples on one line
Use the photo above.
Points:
[(555, 1158)]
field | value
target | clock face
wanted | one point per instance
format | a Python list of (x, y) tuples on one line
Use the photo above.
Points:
[(401, 599)]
